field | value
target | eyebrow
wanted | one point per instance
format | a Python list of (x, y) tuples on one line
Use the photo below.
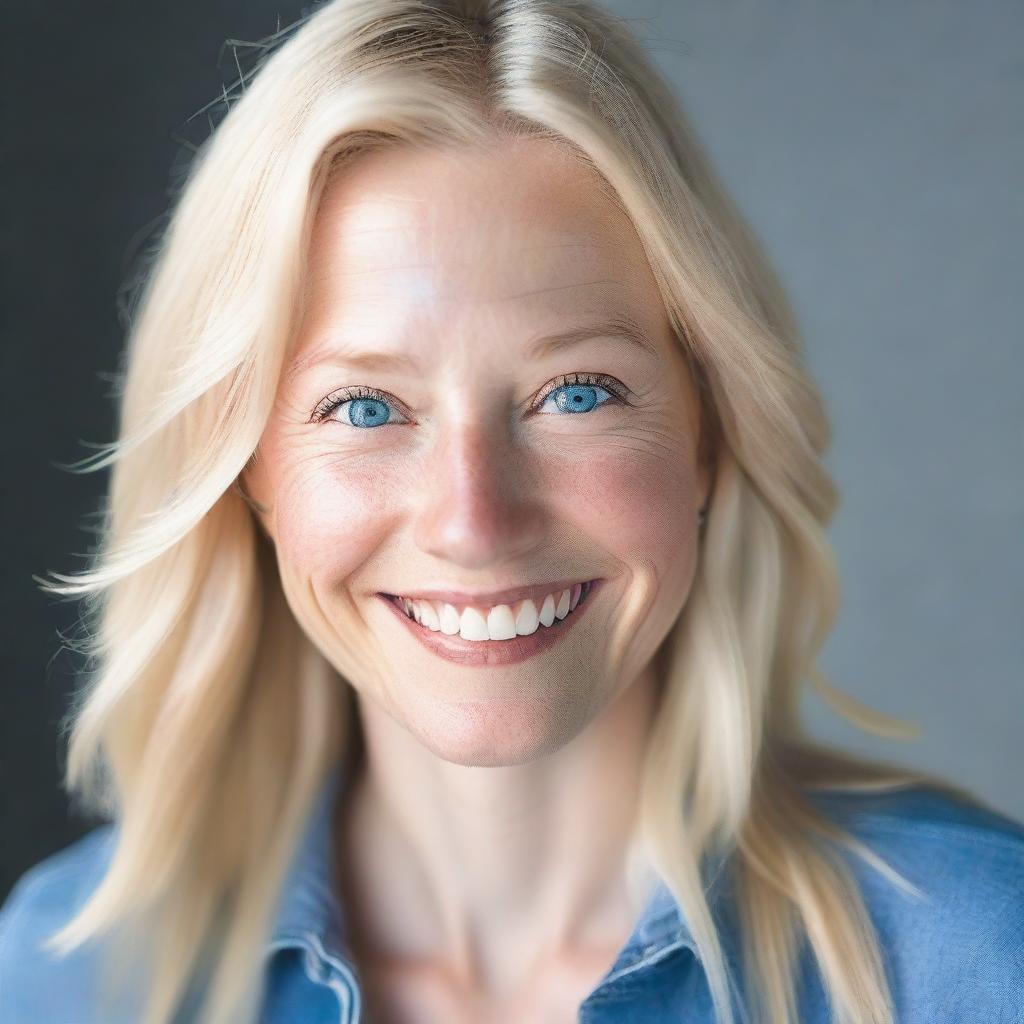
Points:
[(624, 328)]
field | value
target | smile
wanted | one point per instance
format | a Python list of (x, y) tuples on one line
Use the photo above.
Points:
[(501, 622), (501, 635)]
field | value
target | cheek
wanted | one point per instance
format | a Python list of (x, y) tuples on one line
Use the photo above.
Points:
[(330, 519), (640, 501)]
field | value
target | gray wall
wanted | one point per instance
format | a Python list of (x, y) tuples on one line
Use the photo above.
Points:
[(878, 151)]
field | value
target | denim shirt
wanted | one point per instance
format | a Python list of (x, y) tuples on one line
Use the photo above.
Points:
[(957, 956)]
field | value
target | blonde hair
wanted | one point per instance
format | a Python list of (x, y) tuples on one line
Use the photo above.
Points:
[(211, 719)]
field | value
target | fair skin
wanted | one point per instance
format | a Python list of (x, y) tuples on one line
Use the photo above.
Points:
[(482, 869)]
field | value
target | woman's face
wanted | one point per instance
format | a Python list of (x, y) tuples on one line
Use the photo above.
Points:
[(463, 413)]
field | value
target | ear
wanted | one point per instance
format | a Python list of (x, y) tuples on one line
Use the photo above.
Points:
[(707, 455), (702, 419), (252, 485)]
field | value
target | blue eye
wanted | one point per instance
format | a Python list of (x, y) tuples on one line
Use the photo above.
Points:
[(367, 412), (369, 407), (572, 393), (582, 394), (576, 397)]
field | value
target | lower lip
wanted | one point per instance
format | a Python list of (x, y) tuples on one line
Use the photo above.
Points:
[(493, 652)]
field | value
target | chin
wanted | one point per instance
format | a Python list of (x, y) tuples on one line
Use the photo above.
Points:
[(497, 731)]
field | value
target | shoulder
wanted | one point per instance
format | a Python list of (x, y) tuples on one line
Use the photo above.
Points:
[(955, 947), (966, 846), (35, 984)]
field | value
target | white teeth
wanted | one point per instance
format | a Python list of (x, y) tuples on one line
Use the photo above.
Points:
[(449, 619), (473, 625), (502, 622), (429, 616), (527, 621)]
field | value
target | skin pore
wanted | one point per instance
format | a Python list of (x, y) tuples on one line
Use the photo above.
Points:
[(480, 851)]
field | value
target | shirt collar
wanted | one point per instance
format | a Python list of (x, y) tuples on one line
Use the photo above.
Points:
[(309, 908)]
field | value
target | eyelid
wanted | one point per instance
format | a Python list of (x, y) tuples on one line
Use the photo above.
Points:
[(339, 396), (602, 380), (350, 392)]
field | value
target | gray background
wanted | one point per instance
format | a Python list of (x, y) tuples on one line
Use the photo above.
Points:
[(876, 149)]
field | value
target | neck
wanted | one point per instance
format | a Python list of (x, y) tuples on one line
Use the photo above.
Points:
[(493, 870)]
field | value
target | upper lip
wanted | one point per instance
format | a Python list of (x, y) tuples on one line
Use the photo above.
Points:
[(492, 598)]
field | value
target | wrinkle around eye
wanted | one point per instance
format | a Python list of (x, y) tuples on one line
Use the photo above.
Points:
[(618, 394)]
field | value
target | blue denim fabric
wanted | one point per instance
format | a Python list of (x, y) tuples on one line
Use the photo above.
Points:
[(955, 957)]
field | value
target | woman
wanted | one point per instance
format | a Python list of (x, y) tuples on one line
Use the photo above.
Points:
[(466, 554)]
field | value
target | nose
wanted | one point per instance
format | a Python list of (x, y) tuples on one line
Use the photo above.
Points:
[(478, 507)]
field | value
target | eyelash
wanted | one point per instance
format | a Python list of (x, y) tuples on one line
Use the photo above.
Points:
[(602, 380)]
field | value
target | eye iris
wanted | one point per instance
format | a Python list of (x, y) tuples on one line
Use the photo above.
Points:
[(576, 398), (363, 417)]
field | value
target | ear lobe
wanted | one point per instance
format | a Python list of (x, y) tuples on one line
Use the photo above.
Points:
[(706, 460), (260, 511), (705, 483)]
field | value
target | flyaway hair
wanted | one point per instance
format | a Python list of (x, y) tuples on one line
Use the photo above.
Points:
[(208, 718)]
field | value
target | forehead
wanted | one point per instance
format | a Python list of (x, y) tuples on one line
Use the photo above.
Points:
[(505, 224)]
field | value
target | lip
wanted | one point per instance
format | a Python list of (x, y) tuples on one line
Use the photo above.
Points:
[(491, 653), (489, 599)]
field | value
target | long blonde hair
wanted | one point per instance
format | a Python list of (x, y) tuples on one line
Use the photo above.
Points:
[(210, 719)]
